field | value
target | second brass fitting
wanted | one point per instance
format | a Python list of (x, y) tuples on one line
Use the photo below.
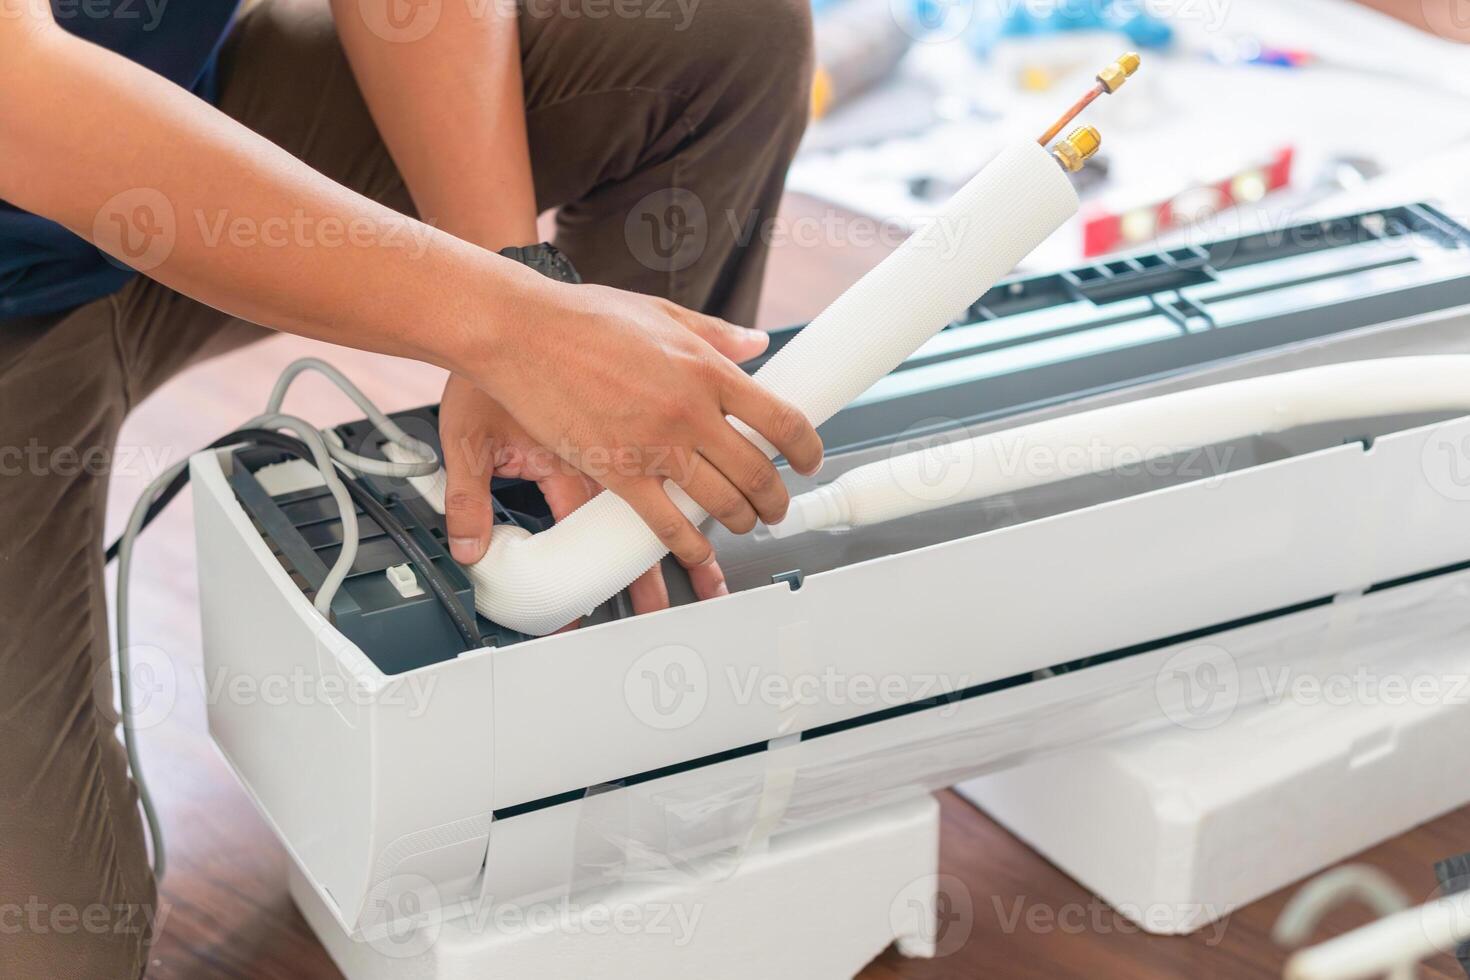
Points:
[(1074, 151), (1114, 75)]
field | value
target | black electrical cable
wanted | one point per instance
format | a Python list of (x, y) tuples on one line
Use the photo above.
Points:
[(363, 497), (157, 507), (175, 485)]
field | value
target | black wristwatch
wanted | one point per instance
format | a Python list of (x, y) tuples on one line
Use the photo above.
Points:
[(546, 259)]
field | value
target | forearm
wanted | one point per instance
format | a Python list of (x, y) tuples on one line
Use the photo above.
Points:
[(255, 232), (451, 109)]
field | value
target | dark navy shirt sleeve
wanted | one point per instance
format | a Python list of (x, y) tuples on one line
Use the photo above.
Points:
[(43, 267)]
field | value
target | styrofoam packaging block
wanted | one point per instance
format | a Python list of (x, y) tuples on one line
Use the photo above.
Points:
[(1345, 745), (815, 905)]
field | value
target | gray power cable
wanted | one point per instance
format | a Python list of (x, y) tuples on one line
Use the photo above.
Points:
[(330, 584), (124, 661), (427, 463), (323, 456)]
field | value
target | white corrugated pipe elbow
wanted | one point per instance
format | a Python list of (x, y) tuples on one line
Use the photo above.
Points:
[(947, 474), (539, 583)]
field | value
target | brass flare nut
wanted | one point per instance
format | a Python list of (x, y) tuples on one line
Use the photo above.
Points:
[(1114, 75), (1074, 151)]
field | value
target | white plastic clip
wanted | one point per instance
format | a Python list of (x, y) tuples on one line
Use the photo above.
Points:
[(402, 578)]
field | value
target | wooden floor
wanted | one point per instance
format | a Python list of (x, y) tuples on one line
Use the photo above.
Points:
[(228, 913)]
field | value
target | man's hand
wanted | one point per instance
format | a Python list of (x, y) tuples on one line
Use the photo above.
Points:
[(481, 440), (632, 390)]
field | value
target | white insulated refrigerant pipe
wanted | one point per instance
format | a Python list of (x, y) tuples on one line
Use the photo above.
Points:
[(948, 474), (539, 583)]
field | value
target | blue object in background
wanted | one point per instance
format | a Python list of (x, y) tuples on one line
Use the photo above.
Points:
[(990, 22), (44, 268)]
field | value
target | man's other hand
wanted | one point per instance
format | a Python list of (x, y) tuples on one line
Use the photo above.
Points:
[(634, 390), (481, 440)]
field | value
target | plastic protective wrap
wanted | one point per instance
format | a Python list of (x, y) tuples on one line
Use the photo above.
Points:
[(699, 825)]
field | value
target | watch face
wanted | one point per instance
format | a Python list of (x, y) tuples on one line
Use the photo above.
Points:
[(560, 264), (546, 259)]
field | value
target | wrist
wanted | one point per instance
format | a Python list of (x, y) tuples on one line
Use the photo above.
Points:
[(501, 333)]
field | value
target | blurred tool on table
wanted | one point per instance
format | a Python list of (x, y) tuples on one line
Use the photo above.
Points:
[(1279, 106)]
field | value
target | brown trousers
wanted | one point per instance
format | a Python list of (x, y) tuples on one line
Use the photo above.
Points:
[(662, 138)]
